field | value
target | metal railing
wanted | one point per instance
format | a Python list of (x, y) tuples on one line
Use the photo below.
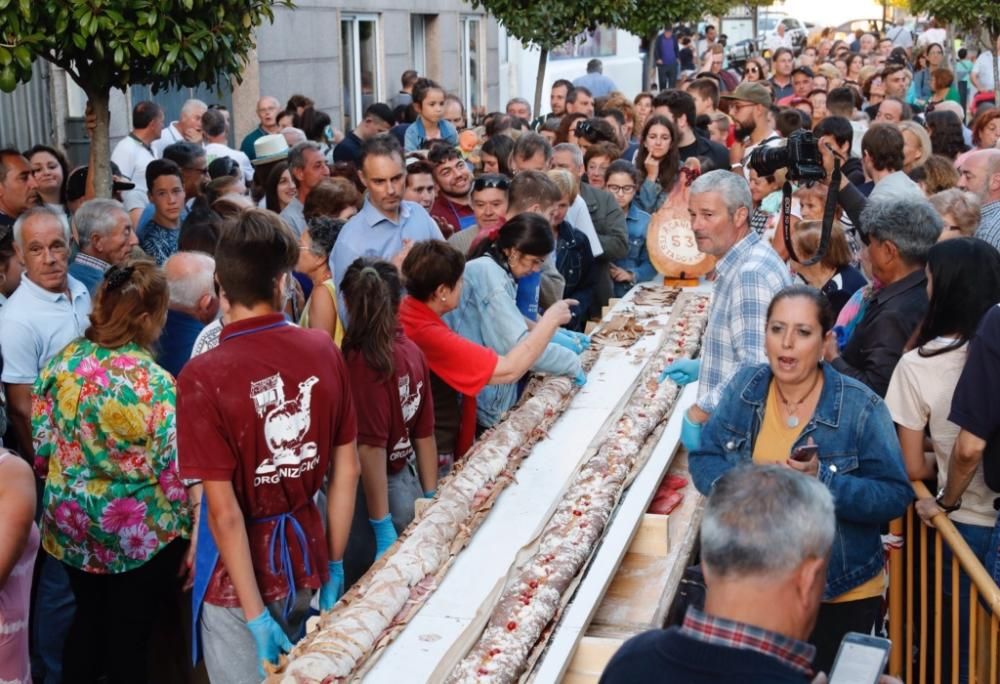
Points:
[(917, 624)]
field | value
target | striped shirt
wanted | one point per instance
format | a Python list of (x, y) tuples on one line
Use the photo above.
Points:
[(989, 224), (749, 275)]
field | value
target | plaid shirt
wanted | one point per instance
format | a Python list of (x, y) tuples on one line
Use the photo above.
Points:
[(721, 632), (989, 224), (750, 274)]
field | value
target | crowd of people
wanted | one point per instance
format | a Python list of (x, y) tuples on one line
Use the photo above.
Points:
[(233, 381)]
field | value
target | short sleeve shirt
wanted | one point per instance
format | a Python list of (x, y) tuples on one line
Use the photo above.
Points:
[(36, 324), (919, 398), (264, 410), (976, 404), (105, 441), (393, 412)]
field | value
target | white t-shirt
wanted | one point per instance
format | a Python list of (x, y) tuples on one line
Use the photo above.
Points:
[(900, 37), (774, 41), (215, 150), (132, 158), (983, 71), (919, 397), (578, 216), (933, 35)]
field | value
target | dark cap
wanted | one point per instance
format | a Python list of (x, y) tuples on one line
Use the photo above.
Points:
[(76, 185), (382, 111), (803, 70)]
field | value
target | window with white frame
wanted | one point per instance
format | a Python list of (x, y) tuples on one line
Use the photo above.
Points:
[(418, 42), (361, 74), (473, 57)]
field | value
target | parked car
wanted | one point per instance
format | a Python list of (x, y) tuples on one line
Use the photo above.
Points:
[(767, 25)]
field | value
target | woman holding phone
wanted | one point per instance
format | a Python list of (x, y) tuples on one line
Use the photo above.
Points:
[(798, 411)]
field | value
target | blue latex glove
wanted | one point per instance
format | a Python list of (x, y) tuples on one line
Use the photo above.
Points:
[(331, 592), (682, 371), (430, 494), (584, 340), (385, 534), (580, 379), (564, 338), (690, 434), (270, 640)]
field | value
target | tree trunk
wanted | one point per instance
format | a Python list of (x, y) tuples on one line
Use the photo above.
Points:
[(995, 37), (100, 143), (649, 63), (543, 57)]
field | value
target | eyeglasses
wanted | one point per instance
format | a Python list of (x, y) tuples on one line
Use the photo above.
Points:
[(620, 189), (491, 181)]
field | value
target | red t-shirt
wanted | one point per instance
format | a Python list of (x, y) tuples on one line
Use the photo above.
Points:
[(265, 410), (461, 363), (458, 216), (394, 412)]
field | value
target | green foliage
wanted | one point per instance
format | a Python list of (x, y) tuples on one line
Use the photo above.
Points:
[(106, 44), (649, 17), (547, 24), (967, 15)]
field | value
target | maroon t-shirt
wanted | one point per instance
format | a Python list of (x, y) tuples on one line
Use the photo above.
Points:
[(393, 412), (265, 410), (458, 216)]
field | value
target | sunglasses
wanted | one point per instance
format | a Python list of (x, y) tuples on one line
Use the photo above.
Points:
[(491, 181), (584, 128)]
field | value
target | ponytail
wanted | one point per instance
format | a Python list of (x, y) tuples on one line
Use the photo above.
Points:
[(371, 290)]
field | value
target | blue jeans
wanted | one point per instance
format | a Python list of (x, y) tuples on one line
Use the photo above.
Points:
[(51, 620), (978, 538)]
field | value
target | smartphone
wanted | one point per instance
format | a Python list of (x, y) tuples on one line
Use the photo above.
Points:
[(860, 660), (805, 452)]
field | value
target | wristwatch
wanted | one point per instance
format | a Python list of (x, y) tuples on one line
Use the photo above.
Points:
[(947, 509)]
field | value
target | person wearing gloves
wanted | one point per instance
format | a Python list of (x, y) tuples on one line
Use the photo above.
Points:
[(391, 387), (798, 411), (262, 419), (749, 273), (460, 368), (488, 315)]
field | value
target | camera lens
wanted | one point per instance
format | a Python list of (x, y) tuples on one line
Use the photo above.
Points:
[(766, 161)]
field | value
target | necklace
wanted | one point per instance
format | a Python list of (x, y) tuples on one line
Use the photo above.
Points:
[(793, 406)]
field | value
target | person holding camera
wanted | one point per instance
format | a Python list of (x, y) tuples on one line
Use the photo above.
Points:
[(750, 108), (794, 410)]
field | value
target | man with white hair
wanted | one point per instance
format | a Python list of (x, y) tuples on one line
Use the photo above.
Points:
[(268, 109), (766, 538), (749, 272), (106, 239), (193, 305), (48, 310), (187, 128), (979, 173)]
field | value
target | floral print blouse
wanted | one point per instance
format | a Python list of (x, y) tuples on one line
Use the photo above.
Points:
[(104, 429)]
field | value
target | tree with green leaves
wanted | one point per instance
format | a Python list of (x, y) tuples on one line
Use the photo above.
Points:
[(105, 44), (978, 17), (547, 24)]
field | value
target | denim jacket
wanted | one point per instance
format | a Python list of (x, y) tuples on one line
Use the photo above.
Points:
[(487, 314), (860, 461), (637, 261)]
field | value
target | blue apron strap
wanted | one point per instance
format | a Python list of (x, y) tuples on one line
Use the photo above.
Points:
[(466, 222), (279, 549), (205, 559)]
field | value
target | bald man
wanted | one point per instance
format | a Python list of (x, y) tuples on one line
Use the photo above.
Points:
[(193, 305), (268, 109), (979, 173)]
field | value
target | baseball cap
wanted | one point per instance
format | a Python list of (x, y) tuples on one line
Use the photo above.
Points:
[(76, 185), (750, 91), (803, 70)]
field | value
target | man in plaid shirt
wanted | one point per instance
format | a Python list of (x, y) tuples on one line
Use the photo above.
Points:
[(765, 569), (749, 272)]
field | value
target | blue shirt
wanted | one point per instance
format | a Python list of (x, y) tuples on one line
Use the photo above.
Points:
[(159, 242), (637, 261), (416, 134), (89, 271), (177, 340), (370, 233), (36, 324), (146, 219), (599, 85)]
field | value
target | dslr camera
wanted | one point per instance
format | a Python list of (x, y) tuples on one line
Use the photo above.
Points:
[(800, 155)]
